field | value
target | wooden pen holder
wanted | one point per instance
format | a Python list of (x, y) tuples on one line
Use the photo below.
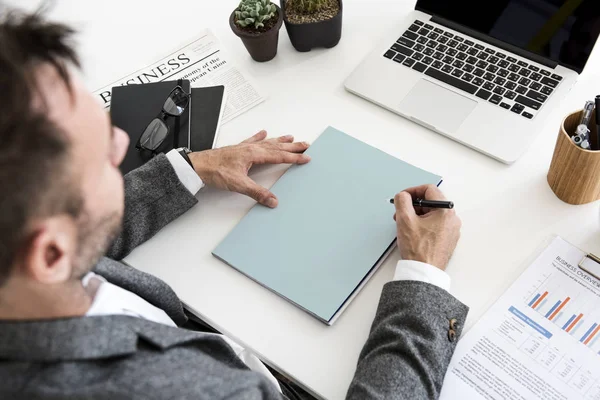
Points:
[(574, 174)]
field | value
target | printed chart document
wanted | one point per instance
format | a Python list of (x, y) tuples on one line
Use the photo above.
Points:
[(539, 341), (204, 63)]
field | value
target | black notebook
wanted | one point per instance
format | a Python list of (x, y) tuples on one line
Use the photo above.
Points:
[(134, 106), (208, 106)]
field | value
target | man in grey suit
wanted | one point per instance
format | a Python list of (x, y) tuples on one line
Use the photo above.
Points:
[(75, 323)]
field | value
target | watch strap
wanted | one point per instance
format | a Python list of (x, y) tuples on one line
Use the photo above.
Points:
[(184, 154)]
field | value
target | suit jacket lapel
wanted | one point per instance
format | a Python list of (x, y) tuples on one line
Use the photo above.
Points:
[(148, 287)]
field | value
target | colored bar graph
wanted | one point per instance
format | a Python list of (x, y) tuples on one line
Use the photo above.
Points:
[(554, 307), (558, 318), (565, 326), (560, 313), (559, 308), (537, 296), (574, 322), (592, 335), (539, 300), (584, 337)]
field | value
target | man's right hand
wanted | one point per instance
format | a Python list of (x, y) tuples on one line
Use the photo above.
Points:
[(426, 235)]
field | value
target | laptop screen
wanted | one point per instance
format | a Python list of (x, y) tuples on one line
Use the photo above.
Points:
[(564, 31)]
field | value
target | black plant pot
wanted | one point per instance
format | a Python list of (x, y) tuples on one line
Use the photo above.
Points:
[(261, 46), (305, 37)]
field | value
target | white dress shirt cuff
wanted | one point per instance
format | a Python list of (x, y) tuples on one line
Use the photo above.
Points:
[(408, 270), (186, 174)]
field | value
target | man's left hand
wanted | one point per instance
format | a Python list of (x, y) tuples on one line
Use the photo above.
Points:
[(227, 168)]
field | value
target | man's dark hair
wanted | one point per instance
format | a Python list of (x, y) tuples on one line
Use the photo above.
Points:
[(35, 178)]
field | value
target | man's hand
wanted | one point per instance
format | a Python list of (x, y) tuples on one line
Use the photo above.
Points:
[(426, 235), (227, 168)]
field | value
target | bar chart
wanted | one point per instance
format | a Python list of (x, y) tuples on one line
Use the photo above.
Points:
[(573, 308)]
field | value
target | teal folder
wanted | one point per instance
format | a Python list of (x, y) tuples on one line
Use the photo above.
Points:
[(333, 227)]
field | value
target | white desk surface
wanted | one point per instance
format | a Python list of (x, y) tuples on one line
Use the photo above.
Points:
[(507, 211)]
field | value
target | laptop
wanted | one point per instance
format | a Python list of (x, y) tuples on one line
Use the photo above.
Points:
[(485, 74)]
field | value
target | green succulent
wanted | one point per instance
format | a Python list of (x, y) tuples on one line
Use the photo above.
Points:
[(254, 13), (307, 6)]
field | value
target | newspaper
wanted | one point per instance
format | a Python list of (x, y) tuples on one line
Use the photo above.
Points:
[(204, 63)]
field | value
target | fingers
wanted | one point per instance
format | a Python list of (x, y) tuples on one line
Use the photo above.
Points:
[(260, 136), (404, 207), (285, 139), (434, 193), (426, 192), (281, 157), (298, 147), (258, 193)]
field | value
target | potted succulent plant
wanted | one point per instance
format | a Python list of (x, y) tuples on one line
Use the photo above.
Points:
[(257, 23), (313, 23)]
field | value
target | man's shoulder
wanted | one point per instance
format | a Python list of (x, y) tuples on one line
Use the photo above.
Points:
[(149, 377), (129, 358)]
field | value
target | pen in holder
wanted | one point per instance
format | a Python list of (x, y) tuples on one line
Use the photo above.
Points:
[(574, 174)]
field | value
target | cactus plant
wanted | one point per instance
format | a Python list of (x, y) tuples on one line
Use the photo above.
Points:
[(307, 6), (254, 13)]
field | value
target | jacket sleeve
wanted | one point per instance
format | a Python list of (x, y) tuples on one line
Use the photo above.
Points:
[(409, 347), (154, 196)]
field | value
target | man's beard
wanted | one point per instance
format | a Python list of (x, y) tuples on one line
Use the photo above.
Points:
[(93, 240)]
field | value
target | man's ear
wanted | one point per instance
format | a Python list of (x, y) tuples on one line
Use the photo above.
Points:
[(49, 256)]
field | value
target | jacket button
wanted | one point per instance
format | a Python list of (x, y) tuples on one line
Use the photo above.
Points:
[(452, 335), (453, 324)]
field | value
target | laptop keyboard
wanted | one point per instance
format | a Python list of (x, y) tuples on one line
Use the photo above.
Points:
[(491, 75)]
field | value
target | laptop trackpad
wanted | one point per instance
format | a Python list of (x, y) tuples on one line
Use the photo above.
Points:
[(436, 106)]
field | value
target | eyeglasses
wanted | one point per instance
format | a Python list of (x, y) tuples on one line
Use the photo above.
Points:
[(157, 130)]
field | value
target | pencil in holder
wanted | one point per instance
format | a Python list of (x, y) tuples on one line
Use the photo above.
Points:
[(574, 174)]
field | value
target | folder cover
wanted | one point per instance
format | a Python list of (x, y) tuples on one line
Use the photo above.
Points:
[(332, 229)]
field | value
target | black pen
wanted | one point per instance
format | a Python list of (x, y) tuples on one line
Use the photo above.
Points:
[(598, 122), (430, 203)]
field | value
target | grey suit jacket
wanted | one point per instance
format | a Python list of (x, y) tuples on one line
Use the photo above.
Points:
[(122, 357)]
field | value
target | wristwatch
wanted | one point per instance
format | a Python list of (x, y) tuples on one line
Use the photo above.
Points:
[(184, 151)]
